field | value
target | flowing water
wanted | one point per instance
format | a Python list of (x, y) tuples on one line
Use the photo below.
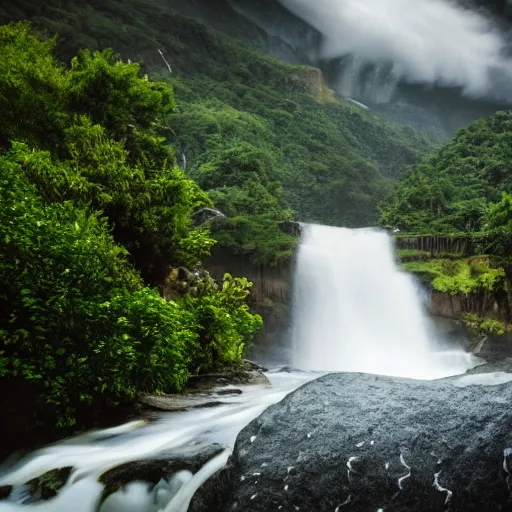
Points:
[(355, 311), (180, 433)]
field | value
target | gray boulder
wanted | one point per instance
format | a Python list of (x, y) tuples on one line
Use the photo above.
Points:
[(363, 443)]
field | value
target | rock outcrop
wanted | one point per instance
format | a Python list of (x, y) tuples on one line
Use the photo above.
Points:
[(360, 443), (484, 304)]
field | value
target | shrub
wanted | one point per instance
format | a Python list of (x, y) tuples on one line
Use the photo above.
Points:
[(75, 317), (225, 323), (59, 265), (456, 276), (480, 326), (102, 122)]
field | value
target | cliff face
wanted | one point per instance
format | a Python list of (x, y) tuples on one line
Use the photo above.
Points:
[(265, 24), (270, 294), (484, 304)]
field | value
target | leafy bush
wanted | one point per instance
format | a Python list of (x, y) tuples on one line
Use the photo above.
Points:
[(225, 323), (483, 326), (449, 267), (28, 66), (62, 273), (102, 127), (76, 318), (456, 276), (127, 105), (259, 237)]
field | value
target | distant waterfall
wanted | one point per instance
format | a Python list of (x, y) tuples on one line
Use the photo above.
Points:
[(355, 311), (367, 82)]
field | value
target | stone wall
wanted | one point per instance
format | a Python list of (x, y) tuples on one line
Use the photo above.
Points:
[(436, 245)]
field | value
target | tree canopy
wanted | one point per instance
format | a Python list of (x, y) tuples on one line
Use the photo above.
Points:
[(93, 212)]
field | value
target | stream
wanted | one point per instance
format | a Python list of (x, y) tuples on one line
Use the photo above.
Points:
[(180, 434)]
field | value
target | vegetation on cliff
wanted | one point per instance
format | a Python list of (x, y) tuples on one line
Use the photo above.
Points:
[(464, 189), (457, 276), (90, 198)]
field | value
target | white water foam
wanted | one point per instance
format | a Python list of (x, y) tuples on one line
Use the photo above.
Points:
[(355, 311)]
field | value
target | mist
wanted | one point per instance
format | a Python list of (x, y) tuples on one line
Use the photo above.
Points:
[(434, 42)]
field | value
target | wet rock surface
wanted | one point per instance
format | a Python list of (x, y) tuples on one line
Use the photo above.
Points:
[(154, 470), (363, 443), (42, 488), (208, 390)]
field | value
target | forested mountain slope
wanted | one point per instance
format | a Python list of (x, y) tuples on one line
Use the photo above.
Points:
[(292, 150), (462, 195), (104, 162)]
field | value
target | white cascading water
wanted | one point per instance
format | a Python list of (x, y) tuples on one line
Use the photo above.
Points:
[(355, 311)]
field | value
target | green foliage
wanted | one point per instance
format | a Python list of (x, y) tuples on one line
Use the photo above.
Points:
[(483, 326), (333, 161), (259, 236), (76, 318), (407, 255), (454, 189), (329, 161), (249, 172), (41, 99), (457, 276), (496, 235), (225, 323), (27, 66), (98, 192), (102, 125), (129, 107), (67, 288)]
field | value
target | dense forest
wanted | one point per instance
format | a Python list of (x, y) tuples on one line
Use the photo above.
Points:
[(465, 188), (93, 208)]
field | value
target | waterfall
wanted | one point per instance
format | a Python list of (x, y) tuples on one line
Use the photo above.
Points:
[(354, 310)]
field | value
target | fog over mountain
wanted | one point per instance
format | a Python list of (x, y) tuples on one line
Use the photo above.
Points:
[(431, 42)]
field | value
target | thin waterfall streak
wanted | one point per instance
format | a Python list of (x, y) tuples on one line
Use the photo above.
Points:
[(165, 60)]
